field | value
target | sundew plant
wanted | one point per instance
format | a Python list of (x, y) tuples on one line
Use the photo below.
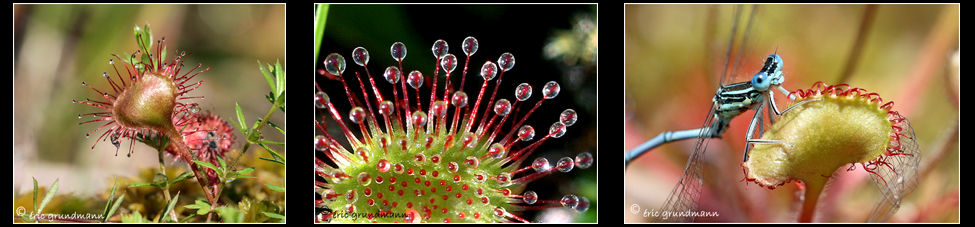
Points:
[(406, 148), (159, 99)]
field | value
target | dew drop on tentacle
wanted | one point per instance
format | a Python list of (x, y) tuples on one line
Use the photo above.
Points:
[(523, 91), (386, 108), (415, 79), (439, 108), (526, 133), (361, 56), (568, 117), (383, 166), (502, 107), (419, 118), (550, 90), (364, 179), (557, 130), (506, 61), (471, 162), (541, 165), (357, 114), (489, 70), (530, 197), (392, 74), (335, 64), (504, 179), (351, 197), (398, 51), (459, 99), (583, 160), (449, 63), (565, 164), (569, 201), (439, 48), (497, 151), (470, 45), (582, 205), (321, 100), (321, 143)]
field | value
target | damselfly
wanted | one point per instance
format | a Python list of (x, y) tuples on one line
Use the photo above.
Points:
[(728, 102)]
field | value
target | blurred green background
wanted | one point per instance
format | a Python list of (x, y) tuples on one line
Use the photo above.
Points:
[(523, 30), (57, 47), (673, 54)]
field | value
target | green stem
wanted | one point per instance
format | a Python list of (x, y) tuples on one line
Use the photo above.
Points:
[(162, 169), (813, 189)]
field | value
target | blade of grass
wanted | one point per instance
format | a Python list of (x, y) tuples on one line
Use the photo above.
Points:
[(35, 194), (109, 202), (49, 196), (170, 207), (114, 207), (320, 16)]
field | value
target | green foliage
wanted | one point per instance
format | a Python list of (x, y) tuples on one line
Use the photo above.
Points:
[(201, 207), (47, 198), (230, 214), (163, 183), (226, 174), (257, 211), (134, 218), (109, 211)]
